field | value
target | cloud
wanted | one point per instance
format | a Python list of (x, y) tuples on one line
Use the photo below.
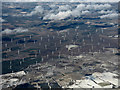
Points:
[(81, 9), (100, 0), (2, 20), (59, 16), (64, 7), (85, 12), (14, 31), (110, 16), (98, 6), (106, 12), (65, 11), (60, 0), (59, 12), (37, 9), (75, 13)]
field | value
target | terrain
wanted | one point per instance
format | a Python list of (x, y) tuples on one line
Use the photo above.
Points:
[(59, 42)]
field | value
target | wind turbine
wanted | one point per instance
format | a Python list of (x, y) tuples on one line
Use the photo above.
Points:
[(42, 59), (48, 35), (11, 40), (6, 45), (24, 39), (48, 40), (45, 46), (23, 59), (47, 55), (53, 37), (18, 51), (39, 51), (30, 36), (41, 38)]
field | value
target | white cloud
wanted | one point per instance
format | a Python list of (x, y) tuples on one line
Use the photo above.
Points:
[(85, 12), (60, 0), (2, 20), (64, 14), (64, 7), (106, 12), (59, 12), (38, 9), (113, 15), (59, 16), (81, 9), (98, 6), (14, 31), (75, 13), (94, 0), (102, 0)]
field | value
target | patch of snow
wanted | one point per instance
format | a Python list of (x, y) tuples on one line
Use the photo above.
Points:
[(106, 77), (80, 56), (69, 47)]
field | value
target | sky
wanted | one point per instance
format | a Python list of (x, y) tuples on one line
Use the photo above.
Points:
[(60, 0)]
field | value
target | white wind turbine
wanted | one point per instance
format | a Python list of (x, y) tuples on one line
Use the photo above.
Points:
[(6, 45)]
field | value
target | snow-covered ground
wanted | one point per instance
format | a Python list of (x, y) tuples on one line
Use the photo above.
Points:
[(97, 80), (12, 80), (69, 47)]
